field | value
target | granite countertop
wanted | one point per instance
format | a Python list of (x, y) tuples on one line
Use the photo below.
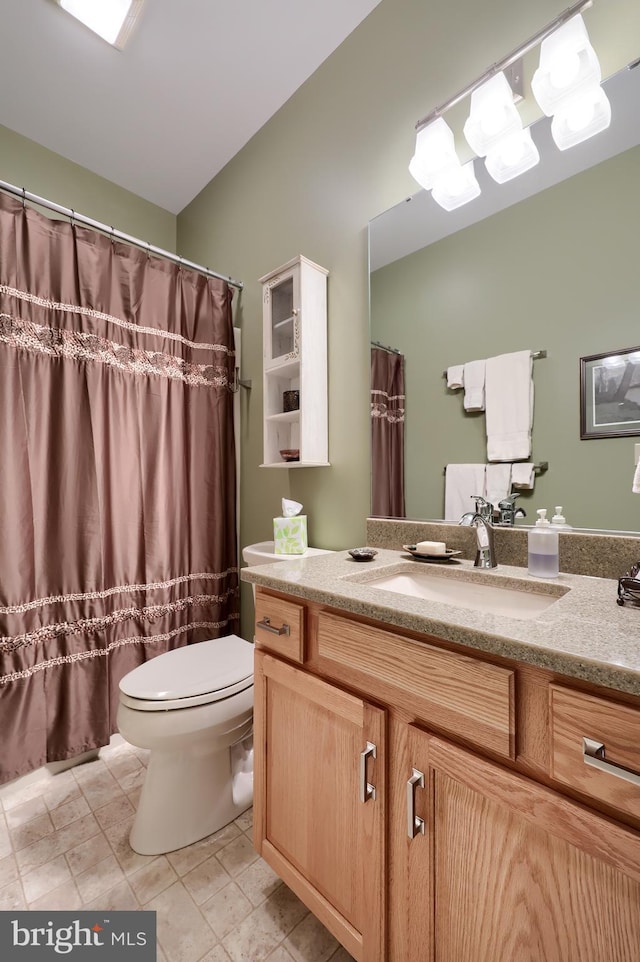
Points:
[(583, 634)]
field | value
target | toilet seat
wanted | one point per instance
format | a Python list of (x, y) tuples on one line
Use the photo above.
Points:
[(197, 674)]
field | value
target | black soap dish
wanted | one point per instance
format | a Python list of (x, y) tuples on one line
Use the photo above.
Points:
[(362, 554)]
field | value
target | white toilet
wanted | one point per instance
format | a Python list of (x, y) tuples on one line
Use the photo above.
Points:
[(190, 706)]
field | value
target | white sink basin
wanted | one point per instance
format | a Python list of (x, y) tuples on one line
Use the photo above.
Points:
[(492, 595)]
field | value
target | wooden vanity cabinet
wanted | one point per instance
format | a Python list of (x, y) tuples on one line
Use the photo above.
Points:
[(484, 863)]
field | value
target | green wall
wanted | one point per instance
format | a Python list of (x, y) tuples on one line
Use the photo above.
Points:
[(26, 164), (557, 272), (309, 181)]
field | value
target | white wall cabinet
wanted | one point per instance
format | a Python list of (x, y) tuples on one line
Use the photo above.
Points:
[(294, 313)]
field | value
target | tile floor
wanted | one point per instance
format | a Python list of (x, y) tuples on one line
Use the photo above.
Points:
[(64, 845)]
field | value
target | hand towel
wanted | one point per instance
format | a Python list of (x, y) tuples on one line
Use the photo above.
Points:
[(635, 487), (523, 475), (455, 376), (497, 482), (474, 385), (509, 406), (462, 483)]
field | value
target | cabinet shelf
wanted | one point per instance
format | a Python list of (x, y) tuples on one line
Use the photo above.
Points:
[(294, 350)]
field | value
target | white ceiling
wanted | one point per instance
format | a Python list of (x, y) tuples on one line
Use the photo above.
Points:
[(197, 79)]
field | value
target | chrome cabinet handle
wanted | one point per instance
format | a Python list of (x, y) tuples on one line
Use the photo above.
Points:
[(593, 754), (367, 790), (266, 625), (415, 825)]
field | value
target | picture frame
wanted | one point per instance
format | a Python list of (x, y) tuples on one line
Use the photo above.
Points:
[(610, 394)]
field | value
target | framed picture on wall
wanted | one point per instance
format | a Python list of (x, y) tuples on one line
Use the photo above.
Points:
[(610, 394)]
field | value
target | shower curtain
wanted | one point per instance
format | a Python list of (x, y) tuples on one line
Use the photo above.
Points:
[(387, 434), (117, 476)]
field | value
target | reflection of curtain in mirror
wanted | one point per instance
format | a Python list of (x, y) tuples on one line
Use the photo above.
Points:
[(387, 434)]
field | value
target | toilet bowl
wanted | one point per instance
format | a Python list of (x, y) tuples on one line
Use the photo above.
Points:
[(190, 707)]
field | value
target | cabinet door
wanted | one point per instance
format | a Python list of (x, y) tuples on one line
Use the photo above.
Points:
[(512, 870), (320, 799)]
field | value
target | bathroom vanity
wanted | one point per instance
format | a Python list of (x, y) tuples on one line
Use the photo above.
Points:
[(429, 775)]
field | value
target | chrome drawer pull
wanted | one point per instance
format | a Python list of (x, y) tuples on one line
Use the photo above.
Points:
[(267, 626), (593, 754), (415, 825), (367, 790)]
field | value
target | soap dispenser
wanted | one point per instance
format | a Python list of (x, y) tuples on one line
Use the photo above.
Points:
[(559, 521), (543, 548)]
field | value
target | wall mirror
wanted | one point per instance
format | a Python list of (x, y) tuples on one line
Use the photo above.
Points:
[(548, 262)]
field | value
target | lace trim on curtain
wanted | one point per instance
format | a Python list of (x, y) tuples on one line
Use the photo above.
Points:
[(150, 613), (103, 652), (110, 319), (118, 590), (388, 406), (29, 336)]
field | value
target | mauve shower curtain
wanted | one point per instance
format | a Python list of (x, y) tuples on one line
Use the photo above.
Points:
[(117, 476), (387, 434)]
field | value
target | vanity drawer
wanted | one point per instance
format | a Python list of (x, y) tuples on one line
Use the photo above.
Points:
[(465, 696), (280, 626), (575, 717)]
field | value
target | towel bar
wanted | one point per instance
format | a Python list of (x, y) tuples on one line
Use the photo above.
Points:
[(536, 355), (539, 467)]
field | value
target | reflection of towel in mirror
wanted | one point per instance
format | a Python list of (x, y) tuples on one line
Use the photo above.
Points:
[(498, 482), (509, 406), (462, 483), (474, 373), (523, 475), (635, 487), (455, 376)]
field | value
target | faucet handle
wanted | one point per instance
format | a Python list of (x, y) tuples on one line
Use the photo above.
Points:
[(483, 507), (509, 501)]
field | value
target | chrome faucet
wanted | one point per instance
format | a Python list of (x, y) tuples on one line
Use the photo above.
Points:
[(509, 512), (480, 519)]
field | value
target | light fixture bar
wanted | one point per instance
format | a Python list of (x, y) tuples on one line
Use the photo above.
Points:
[(506, 61)]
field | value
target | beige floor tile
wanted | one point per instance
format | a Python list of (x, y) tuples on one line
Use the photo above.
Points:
[(114, 811), (341, 956), (134, 798), (65, 897), (205, 880), (245, 821), (226, 909), (24, 789), (133, 781), (120, 897), (100, 789), (89, 770), (152, 879), (70, 811), (255, 938), (26, 812), (122, 764), (46, 878), (8, 870), (99, 879), (285, 909), (61, 789), (280, 955), (118, 836), (182, 931), (5, 839), (12, 897), (184, 859), (310, 941), (25, 835), (84, 856), (237, 855), (217, 954), (258, 882), (57, 844)]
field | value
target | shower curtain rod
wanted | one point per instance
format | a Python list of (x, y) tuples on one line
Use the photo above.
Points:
[(385, 347), (74, 217)]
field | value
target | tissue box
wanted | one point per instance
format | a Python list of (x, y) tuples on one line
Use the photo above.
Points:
[(290, 534)]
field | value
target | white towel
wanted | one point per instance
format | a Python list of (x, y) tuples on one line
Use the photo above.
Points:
[(497, 482), (509, 406), (474, 378), (635, 487), (462, 483), (455, 376), (523, 475)]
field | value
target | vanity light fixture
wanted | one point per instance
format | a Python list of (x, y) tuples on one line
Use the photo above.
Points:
[(436, 167), (113, 20), (566, 87)]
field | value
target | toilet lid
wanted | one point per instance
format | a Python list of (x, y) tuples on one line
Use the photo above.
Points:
[(222, 665)]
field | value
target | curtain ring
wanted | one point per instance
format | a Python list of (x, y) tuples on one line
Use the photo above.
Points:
[(72, 217), (148, 251), (24, 199), (113, 235)]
